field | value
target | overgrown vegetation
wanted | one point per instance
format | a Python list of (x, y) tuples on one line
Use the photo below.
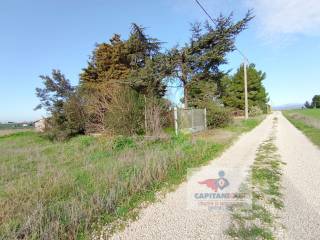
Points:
[(122, 88), (258, 219), (306, 120), (64, 190)]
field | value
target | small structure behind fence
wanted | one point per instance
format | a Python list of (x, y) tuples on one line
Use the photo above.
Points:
[(190, 120)]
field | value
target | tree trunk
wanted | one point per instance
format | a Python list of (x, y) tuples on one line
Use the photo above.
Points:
[(185, 93), (185, 90)]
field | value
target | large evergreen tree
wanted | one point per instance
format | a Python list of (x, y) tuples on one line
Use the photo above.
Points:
[(233, 95), (316, 101), (119, 66), (119, 62), (200, 60), (108, 65)]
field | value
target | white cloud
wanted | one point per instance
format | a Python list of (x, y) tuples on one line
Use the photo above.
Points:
[(287, 17)]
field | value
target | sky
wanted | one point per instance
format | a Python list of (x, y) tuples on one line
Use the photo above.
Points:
[(37, 36)]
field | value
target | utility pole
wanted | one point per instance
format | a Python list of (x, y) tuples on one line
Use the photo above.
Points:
[(245, 61), (246, 111)]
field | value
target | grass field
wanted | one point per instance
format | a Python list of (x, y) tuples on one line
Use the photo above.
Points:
[(4, 132), (66, 190), (14, 126), (308, 121), (9, 128), (313, 113)]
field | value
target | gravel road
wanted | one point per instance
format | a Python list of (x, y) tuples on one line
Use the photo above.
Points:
[(171, 218), (301, 181)]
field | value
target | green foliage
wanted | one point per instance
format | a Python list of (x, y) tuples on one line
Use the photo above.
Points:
[(57, 89), (217, 116), (125, 115), (307, 123), (64, 105), (88, 181), (132, 67), (307, 105), (233, 93), (122, 142), (107, 65), (314, 113), (201, 93), (122, 87), (316, 101), (148, 80), (201, 58), (112, 63), (255, 111)]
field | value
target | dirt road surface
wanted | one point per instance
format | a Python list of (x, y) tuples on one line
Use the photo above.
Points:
[(301, 182)]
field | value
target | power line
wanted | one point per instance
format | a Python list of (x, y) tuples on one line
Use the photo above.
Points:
[(245, 62), (205, 11)]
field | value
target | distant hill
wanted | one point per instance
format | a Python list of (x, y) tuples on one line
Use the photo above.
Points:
[(288, 106)]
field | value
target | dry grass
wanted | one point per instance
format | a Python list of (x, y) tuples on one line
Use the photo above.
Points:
[(4, 132), (57, 190), (308, 121), (65, 190)]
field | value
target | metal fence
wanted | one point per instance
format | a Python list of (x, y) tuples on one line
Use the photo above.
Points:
[(190, 120)]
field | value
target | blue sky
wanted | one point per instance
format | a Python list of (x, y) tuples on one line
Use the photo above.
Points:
[(39, 35)]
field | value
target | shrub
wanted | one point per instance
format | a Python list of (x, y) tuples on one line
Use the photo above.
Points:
[(64, 105), (66, 121), (125, 113), (255, 111), (157, 115), (217, 116), (123, 142)]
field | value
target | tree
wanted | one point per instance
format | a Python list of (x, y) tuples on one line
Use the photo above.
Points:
[(233, 95), (57, 89), (108, 66), (141, 47), (201, 58), (114, 67), (64, 105), (149, 80), (315, 101), (307, 105)]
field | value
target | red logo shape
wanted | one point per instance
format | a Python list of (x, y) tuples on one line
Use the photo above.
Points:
[(211, 183)]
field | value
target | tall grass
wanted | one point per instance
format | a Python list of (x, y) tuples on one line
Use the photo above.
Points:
[(65, 190), (313, 113), (309, 124), (58, 190)]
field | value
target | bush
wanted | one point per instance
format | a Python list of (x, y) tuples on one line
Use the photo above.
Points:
[(217, 116), (157, 116), (66, 121), (125, 113), (122, 142), (255, 111)]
